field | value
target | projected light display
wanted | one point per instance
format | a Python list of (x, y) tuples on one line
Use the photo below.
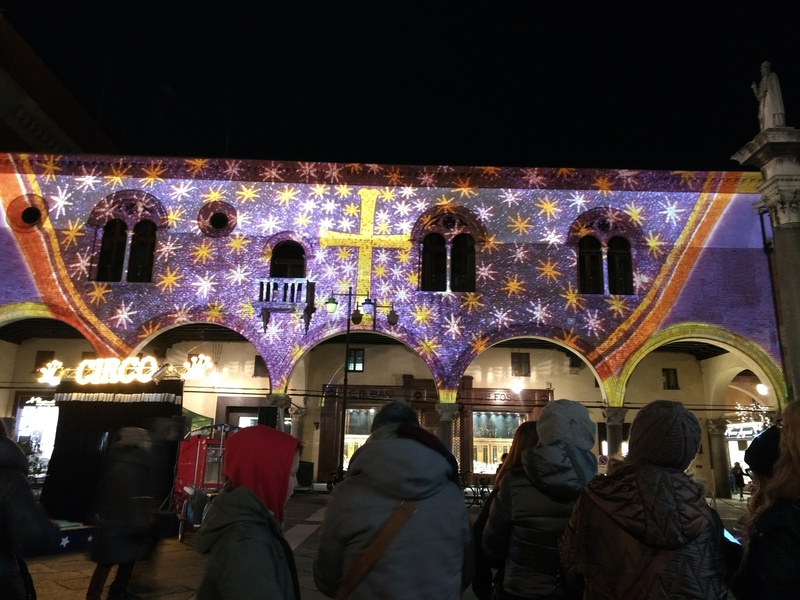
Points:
[(217, 222)]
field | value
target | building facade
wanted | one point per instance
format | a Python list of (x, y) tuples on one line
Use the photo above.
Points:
[(482, 293)]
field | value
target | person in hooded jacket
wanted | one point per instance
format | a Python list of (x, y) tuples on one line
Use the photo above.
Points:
[(533, 505), (645, 530), (24, 527), (430, 558), (242, 532)]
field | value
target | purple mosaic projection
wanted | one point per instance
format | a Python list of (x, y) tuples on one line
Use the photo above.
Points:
[(361, 226)]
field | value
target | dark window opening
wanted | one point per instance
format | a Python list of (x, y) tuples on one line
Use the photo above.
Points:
[(434, 263), (520, 364), (590, 266), (42, 358), (670, 378), (31, 215), (112, 251), (260, 367), (288, 261), (143, 249), (620, 268), (462, 264), (355, 360)]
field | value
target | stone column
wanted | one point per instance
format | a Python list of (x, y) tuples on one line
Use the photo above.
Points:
[(447, 412), (615, 418), (298, 417), (718, 451), (776, 151), (280, 401)]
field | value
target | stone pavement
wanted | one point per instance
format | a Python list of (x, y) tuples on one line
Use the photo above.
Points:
[(176, 568)]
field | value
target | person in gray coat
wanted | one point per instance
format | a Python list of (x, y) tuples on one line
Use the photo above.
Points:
[(426, 560), (533, 505)]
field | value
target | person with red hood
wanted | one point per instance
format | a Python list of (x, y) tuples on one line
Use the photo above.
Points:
[(248, 555)]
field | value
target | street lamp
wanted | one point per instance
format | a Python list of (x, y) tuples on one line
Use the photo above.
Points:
[(370, 308)]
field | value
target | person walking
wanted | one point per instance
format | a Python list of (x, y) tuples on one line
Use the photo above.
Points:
[(124, 513), (242, 532), (402, 480), (24, 527), (772, 546), (737, 474), (645, 530), (535, 502)]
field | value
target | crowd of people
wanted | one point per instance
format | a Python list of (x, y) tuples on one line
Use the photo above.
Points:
[(397, 525)]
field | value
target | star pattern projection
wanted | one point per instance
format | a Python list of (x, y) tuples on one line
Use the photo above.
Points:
[(356, 222)]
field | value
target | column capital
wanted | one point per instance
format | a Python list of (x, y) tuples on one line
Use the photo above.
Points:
[(717, 426), (447, 410), (279, 400), (615, 415)]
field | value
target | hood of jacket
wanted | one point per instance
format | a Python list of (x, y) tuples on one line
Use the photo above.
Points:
[(12, 456), (659, 506), (238, 506), (399, 467), (559, 470)]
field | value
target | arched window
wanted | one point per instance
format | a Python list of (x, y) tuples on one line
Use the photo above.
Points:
[(620, 268), (434, 263), (112, 251), (462, 263), (143, 249), (288, 261), (590, 266)]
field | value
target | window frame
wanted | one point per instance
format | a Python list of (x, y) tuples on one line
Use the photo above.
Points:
[(355, 360)]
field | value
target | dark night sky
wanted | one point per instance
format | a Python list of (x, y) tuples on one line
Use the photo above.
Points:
[(504, 84)]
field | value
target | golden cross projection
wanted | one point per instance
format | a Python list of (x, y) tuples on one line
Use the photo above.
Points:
[(365, 240)]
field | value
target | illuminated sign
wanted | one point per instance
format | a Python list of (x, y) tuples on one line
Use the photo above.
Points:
[(114, 370)]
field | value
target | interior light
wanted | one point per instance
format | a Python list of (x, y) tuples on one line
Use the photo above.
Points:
[(762, 389)]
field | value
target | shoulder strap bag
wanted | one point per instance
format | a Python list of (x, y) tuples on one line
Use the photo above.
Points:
[(373, 552)]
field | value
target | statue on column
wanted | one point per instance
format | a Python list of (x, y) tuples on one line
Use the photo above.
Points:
[(770, 102)]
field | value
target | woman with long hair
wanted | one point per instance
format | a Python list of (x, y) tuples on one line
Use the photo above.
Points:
[(484, 581), (769, 568)]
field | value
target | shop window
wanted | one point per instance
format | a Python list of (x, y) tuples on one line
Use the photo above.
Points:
[(112, 251), (620, 270), (42, 358), (143, 250), (520, 364), (590, 266), (288, 261), (462, 263), (355, 360), (670, 378), (260, 367), (434, 263)]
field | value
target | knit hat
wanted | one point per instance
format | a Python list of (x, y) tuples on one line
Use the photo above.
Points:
[(567, 421), (763, 451), (664, 433)]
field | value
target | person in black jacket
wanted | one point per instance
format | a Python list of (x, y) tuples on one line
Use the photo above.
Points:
[(534, 504), (24, 527), (124, 513), (769, 570)]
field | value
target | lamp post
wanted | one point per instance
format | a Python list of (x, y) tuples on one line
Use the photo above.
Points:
[(370, 308)]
